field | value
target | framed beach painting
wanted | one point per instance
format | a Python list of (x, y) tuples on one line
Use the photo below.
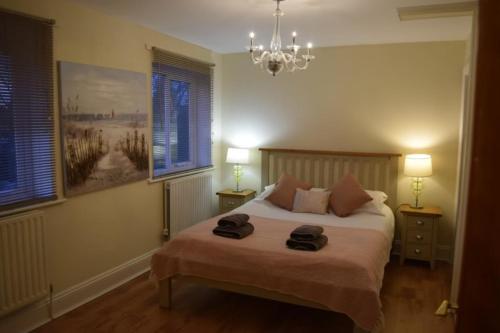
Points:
[(104, 127)]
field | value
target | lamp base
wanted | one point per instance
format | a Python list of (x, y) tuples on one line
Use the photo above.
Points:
[(417, 190), (238, 172)]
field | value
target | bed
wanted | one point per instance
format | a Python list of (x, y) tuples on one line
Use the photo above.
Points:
[(345, 276)]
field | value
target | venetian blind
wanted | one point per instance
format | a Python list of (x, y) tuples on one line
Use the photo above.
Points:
[(27, 173), (182, 113)]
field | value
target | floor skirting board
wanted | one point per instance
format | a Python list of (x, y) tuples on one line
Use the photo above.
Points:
[(37, 314)]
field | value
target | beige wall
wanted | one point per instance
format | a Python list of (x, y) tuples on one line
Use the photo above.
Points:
[(380, 98), (91, 233)]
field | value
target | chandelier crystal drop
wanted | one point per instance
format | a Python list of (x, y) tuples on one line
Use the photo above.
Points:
[(275, 59)]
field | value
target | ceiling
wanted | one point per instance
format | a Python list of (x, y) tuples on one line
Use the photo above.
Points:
[(223, 25)]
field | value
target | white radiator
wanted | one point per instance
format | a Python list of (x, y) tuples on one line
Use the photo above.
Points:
[(23, 272), (189, 200)]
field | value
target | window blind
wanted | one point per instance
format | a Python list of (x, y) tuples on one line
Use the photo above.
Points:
[(182, 113), (27, 173)]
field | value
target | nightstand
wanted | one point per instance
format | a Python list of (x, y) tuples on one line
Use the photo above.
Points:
[(229, 200), (419, 230)]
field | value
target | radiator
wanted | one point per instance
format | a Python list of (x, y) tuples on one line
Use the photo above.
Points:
[(189, 200), (23, 272)]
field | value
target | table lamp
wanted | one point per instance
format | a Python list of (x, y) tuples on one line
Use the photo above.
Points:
[(418, 166), (237, 156)]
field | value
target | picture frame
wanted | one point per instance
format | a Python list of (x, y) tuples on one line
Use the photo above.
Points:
[(104, 127)]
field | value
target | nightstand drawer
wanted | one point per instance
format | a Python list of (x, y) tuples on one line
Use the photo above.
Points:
[(420, 222), (230, 203), (229, 200), (417, 251), (419, 236)]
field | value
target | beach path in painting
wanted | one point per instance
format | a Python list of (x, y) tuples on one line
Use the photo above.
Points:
[(114, 167)]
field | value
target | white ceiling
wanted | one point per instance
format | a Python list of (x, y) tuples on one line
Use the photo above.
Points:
[(223, 25)]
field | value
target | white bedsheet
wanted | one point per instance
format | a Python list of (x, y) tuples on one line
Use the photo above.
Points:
[(264, 208)]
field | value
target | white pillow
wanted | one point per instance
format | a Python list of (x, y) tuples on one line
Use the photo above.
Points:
[(267, 191), (374, 206), (378, 196), (311, 201)]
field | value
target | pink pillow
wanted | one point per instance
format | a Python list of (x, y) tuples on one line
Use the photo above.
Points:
[(284, 192), (347, 196)]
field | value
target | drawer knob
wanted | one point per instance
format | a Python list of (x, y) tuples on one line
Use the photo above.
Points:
[(419, 237), (230, 203), (418, 251), (420, 222)]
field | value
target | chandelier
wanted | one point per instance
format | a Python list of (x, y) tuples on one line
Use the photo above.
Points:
[(275, 59)]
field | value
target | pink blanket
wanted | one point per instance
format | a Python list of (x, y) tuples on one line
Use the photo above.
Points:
[(345, 276)]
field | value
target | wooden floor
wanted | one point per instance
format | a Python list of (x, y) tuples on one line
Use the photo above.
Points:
[(410, 295)]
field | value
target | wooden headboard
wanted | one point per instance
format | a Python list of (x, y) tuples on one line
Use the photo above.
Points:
[(375, 171)]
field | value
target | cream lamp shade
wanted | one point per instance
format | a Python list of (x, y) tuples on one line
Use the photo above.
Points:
[(418, 165), (237, 156)]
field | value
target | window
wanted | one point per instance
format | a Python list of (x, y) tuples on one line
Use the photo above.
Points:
[(182, 111), (26, 111)]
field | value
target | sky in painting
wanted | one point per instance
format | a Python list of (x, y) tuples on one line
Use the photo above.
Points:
[(101, 89)]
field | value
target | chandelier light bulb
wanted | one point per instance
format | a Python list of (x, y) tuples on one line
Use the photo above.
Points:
[(309, 45), (276, 59)]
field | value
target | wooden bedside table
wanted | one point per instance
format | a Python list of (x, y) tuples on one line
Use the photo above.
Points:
[(419, 233), (229, 200)]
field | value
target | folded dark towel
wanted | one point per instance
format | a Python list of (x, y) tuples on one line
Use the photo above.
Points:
[(307, 245), (234, 232), (234, 220), (307, 232)]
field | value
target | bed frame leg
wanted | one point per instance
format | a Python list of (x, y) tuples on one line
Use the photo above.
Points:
[(165, 293)]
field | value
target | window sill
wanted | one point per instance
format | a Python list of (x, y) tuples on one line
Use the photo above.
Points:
[(179, 175), (32, 207)]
